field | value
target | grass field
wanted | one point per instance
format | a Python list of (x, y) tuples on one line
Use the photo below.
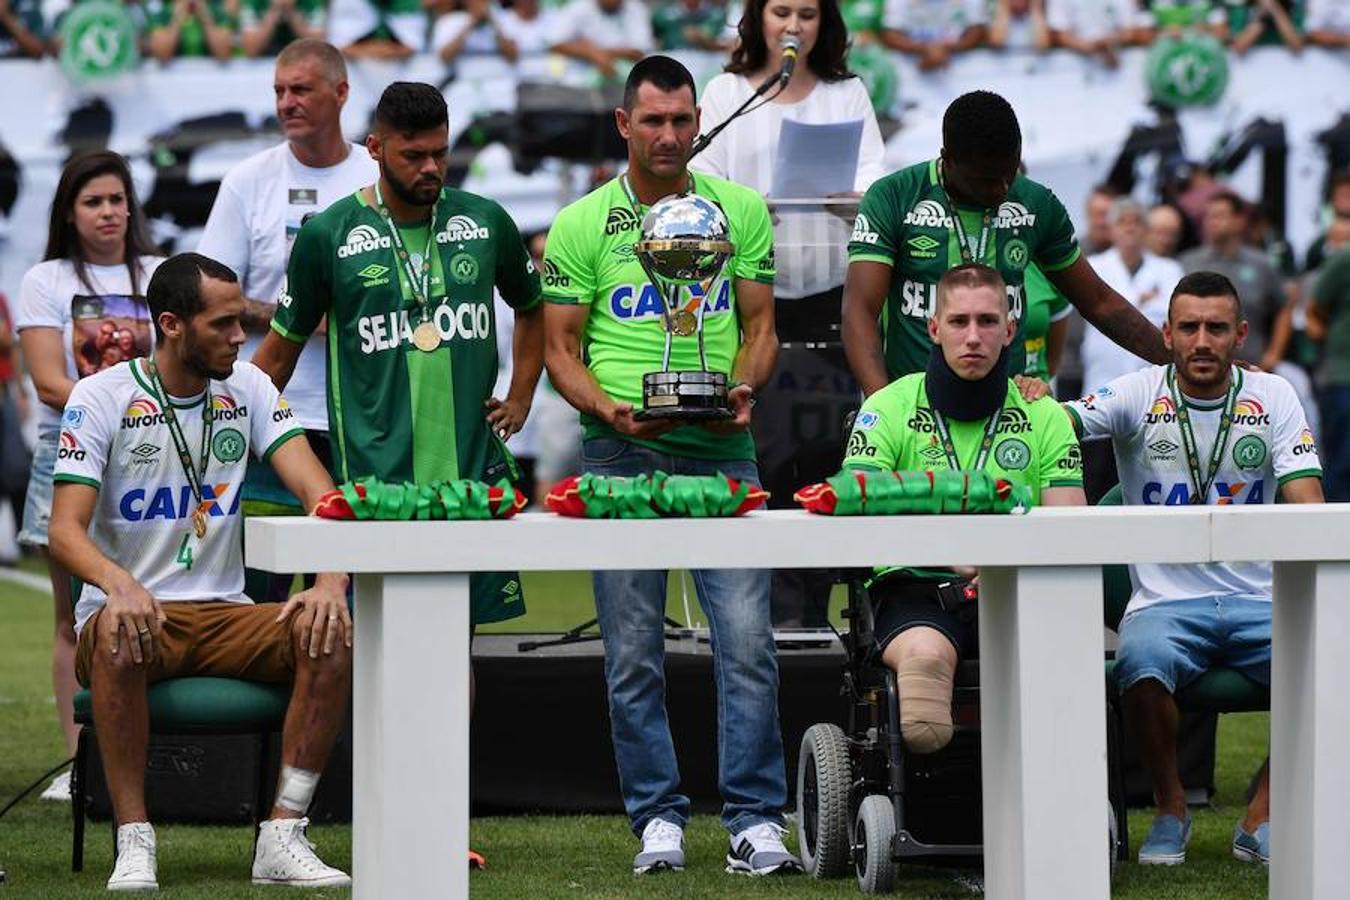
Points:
[(529, 857)]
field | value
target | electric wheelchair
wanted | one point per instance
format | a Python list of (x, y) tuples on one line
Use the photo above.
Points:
[(864, 802)]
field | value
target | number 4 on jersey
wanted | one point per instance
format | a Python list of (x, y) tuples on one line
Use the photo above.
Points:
[(185, 553)]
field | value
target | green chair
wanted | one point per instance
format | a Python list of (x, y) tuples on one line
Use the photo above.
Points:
[(189, 706), (1220, 689)]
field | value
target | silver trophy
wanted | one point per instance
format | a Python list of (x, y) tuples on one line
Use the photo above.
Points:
[(685, 243)]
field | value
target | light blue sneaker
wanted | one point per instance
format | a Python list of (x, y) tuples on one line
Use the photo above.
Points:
[(1166, 842), (1252, 846)]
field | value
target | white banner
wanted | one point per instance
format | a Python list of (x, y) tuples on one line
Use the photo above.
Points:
[(1075, 117)]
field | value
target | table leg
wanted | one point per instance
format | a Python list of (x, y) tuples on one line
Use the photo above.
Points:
[(1309, 731), (1043, 733), (410, 778)]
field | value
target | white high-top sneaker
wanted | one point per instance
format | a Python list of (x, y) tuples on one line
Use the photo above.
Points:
[(135, 869), (285, 856)]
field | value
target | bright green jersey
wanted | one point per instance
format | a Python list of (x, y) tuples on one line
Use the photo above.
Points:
[(904, 222), (1034, 443), (396, 412), (1045, 306), (590, 261)]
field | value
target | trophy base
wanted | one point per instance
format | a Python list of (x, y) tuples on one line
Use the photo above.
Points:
[(691, 396)]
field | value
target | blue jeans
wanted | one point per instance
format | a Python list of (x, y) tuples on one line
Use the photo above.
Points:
[(630, 607), (1177, 641), (1334, 441)]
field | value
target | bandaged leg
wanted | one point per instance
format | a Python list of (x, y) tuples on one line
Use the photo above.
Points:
[(925, 684), (296, 789)]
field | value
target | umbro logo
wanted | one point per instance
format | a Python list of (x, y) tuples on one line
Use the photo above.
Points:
[(923, 247), (374, 275)]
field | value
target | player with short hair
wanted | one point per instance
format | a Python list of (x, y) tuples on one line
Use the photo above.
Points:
[(968, 205), (605, 331), (404, 271), (146, 514), (258, 211), (1200, 431), (961, 413)]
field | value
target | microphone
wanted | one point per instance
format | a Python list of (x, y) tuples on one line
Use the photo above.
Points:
[(791, 45)]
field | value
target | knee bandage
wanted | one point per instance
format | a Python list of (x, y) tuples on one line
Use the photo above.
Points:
[(925, 684), (296, 789)]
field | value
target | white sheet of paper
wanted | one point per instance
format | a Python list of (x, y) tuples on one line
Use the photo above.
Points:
[(816, 160)]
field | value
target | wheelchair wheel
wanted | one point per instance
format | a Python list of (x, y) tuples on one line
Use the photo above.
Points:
[(823, 778), (874, 833)]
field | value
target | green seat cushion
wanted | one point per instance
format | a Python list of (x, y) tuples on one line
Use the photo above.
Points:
[(1218, 690), (206, 704), (1224, 690)]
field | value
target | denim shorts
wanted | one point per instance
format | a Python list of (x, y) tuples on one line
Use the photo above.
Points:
[(37, 506), (1177, 641)]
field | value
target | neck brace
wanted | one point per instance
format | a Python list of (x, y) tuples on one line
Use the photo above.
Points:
[(962, 400)]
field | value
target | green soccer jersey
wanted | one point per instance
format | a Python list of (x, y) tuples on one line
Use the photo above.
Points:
[(1045, 306), (1034, 443), (192, 34), (904, 222), (590, 261), (396, 412)]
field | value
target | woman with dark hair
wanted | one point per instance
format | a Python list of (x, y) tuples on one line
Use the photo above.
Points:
[(822, 90), (80, 311)]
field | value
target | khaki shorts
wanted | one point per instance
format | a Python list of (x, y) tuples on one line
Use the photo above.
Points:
[(226, 640)]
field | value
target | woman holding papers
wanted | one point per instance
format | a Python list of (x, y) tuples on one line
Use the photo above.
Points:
[(816, 136)]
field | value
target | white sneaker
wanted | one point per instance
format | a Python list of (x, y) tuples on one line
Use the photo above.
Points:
[(59, 789), (135, 869), (759, 850), (662, 848), (285, 856)]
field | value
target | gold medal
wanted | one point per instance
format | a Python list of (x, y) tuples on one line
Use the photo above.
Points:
[(425, 337), (199, 520), (683, 323)]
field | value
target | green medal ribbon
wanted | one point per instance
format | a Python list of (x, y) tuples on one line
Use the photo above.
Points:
[(949, 448), (659, 495), (459, 499), (195, 477), (986, 226), (418, 282), (860, 493), (631, 195), (1203, 481)]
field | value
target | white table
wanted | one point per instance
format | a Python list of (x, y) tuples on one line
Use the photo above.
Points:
[(1043, 730)]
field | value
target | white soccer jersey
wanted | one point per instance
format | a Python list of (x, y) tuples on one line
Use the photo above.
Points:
[(115, 438), (1269, 444)]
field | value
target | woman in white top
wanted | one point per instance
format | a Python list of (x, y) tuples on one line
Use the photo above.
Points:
[(822, 90), (80, 311)]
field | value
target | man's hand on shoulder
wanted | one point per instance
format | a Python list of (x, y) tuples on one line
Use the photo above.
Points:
[(1031, 388), (322, 615), (741, 399), (131, 614)]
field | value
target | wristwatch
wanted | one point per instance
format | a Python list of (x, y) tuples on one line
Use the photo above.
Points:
[(753, 399)]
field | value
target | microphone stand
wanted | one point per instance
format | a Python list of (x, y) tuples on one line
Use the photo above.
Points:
[(704, 140)]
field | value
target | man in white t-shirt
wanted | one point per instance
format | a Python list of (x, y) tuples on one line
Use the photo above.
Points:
[(146, 514), (1198, 431), (261, 205), (1143, 279)]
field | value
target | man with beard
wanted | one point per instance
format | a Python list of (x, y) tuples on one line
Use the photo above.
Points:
[(1198, 431), (146, 514), (404, 271)]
